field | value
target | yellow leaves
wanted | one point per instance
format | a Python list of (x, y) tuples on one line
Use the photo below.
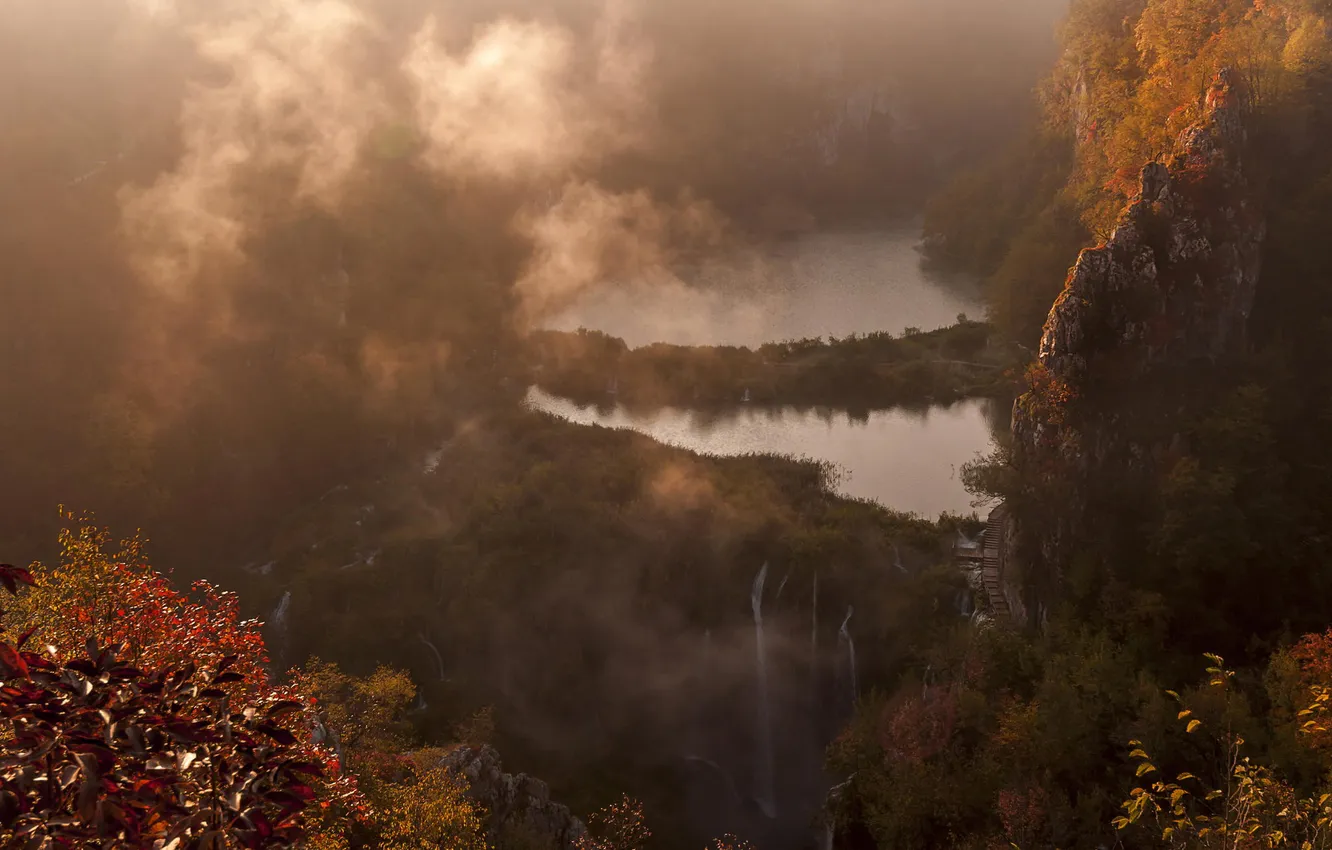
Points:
[(1255, 808), (430, 811)]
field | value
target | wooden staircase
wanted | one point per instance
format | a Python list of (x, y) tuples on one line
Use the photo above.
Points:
[(992, 564)]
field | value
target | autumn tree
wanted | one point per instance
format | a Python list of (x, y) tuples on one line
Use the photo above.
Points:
[(354, 749), (108, 591), (97, 751), (1249, 804)]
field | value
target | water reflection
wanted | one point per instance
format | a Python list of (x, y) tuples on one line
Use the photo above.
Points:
[(822, 284), (908, 460)]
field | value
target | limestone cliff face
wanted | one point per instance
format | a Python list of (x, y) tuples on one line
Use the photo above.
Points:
[(518, 806), (1172, 286), (1177, 278)]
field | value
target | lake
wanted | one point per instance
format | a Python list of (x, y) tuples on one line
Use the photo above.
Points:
[(829, 284), (823, 284), (904, 459)]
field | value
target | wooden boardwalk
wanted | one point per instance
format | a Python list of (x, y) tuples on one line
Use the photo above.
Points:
[(992, 563)]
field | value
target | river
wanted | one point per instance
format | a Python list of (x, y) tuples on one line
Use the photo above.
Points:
[(825, 284)]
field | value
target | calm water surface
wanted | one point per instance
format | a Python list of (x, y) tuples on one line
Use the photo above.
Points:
[(830, 284), (826, 284), (905, 460)]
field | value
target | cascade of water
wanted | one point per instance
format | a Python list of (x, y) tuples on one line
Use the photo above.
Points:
[(439, 659), (278, 625), (844, 633), (814, 643), (279, 618), (764, 775), (781, 586)]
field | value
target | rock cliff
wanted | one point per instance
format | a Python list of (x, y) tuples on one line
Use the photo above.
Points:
[(519, 808), (1172, 286)]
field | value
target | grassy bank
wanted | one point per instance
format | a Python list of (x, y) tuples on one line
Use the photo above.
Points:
[(860, 372)]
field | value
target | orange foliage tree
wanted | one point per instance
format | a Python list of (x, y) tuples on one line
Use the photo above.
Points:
[(110, 596)]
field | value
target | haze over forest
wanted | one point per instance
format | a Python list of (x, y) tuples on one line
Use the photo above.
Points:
[(243, 240), (779, 423)]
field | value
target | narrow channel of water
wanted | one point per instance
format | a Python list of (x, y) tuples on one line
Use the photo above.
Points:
[(907, 460)]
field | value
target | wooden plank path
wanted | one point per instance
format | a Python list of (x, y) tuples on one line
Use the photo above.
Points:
[(992, 563)]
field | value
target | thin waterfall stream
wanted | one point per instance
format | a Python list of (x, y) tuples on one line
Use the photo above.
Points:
[(764, 792)]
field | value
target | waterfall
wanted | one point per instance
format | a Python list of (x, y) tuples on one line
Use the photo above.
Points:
[(964, 603), (439, 659), (279, 619), (781, 586), (814, 644), (764, 775), (844, 633), (277, 624)]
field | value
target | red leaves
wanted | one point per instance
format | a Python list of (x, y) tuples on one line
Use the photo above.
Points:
[(107, 752), (11, 577), (12, 665), (96, 758), (277, 733), (1314, 655), (920, 727)]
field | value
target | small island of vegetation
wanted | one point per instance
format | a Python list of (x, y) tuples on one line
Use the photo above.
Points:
[(870, 371)]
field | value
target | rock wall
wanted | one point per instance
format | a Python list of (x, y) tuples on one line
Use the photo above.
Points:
[(515, 804), (1172, 286)]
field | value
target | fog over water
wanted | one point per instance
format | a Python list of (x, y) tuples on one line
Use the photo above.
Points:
[(820, 284)]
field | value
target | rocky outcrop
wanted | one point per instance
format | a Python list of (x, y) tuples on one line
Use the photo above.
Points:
[(1177, 278), (1172, 286), (515, 804)]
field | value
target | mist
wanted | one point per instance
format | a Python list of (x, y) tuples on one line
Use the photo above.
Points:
[(253, 250), (208, 205)]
